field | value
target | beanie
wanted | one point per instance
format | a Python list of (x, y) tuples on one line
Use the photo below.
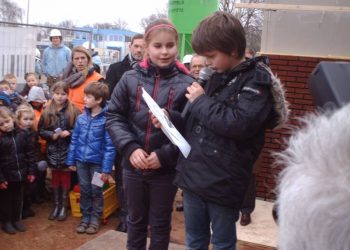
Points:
[(36, 94)]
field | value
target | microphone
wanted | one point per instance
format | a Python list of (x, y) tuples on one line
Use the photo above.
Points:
[(204, 75)]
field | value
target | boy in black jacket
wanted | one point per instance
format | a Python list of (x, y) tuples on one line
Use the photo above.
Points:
[(225, 127)]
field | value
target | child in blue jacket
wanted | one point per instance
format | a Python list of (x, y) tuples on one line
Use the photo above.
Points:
[(91, 150)]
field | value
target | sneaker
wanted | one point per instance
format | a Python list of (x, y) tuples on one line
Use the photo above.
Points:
[(81, 228), (8, 228), (93, 228), (19, 226)]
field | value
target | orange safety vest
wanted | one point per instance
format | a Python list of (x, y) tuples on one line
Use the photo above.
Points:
[(76, 95)]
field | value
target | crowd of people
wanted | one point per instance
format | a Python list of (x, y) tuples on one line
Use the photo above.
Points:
[(85, 124)]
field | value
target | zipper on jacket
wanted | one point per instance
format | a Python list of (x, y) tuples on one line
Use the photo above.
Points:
[(170, 97), (16, 154), (149, 123), (87, 137), (138, 97)]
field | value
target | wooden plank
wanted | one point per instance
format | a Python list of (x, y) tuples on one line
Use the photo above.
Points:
[(293, 7)]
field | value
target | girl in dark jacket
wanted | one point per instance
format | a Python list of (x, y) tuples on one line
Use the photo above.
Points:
[(25, 119), (56, 126), (148, 157), (17, 157)]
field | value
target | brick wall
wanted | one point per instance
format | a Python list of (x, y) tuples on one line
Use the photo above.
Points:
[(294, 72)]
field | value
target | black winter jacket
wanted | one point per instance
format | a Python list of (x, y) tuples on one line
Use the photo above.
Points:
[(225, 128), (17, 155), (128, 121), (56, 151), (116, 71)]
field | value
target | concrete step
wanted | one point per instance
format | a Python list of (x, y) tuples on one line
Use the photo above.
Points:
[(113, 240), (261, 234)]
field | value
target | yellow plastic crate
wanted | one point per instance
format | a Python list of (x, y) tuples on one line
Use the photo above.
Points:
[(110, 202)]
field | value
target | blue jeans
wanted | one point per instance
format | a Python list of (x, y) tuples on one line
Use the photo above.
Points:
[(150, 202), (91, 196), (200, 215)]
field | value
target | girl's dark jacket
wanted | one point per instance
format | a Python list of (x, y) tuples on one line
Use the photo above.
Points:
[(17, 155), (128, 119), (56, 150), (225, 128)]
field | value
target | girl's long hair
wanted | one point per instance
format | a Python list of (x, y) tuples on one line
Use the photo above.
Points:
[(49, 113)]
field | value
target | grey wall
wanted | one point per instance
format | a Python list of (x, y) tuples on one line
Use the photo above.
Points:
[(309, 33)]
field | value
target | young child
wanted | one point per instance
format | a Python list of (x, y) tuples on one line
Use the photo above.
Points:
[(225, 127), (17, 159), (12, 79), (36, 98), (91, 150), (56, 127), (25, 119), (148, 157), (12, 98), (5, 100), (15, 97), (33, 81)]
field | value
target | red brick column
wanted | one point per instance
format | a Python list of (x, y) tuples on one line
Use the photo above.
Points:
[(294, 72)]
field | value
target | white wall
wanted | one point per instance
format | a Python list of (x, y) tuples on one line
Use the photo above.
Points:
[(308, 33), (17, 51)]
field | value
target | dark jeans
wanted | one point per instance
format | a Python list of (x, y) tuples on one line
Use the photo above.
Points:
[(150, 202), (200, 216), (248, 205), (123, 211), (11, 201), (91, 196)]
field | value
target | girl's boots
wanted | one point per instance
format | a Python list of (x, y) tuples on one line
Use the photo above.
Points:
[(56, 210), (62, 215)]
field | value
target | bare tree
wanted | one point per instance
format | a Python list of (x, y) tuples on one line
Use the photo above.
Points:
[(10, 11), (251, 19), (103, 25), (147, 20), (120, 24)]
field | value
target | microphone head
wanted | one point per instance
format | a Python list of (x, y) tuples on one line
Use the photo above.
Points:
[(205, 74)]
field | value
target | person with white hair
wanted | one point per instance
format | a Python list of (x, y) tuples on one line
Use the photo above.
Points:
[(314, 189)]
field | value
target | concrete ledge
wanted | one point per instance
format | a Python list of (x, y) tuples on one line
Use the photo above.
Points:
[(113, 240)]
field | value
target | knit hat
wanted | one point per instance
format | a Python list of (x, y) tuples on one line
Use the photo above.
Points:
[(36, 94)]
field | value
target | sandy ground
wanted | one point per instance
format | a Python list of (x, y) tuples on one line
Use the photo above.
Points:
[(43, 234)]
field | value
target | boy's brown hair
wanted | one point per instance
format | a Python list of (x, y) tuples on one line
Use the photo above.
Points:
[(5, 83), (99, 90), (220, 31), (9, 76)]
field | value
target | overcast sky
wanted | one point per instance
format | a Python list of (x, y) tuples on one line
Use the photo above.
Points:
[(83, 12)]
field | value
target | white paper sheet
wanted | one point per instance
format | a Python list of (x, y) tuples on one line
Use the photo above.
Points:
[(96, 180), (167, 126)]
